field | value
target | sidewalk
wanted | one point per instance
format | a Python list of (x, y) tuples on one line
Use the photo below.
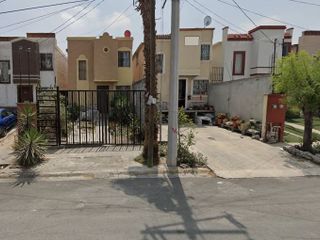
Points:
[(301, 127), (96, 162)]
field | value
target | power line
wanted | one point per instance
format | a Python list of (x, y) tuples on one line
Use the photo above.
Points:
[(39, 17), (262, 15), (42, 6), (117, 18), (304, 2), (73, 16), (201, 11), (214, 13), (99, 3), (251, 19)]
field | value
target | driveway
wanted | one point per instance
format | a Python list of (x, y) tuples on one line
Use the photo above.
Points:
[(231, 155)]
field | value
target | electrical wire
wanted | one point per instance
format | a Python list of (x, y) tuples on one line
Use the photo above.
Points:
[(265, 16), (217, 15), (201, 11), (38, 17), (40, 7), (117, 18), (305, 2), (73, 16), (83, 15), (247, 16)]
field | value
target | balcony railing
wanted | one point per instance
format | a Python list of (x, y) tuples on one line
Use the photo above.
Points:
[(216, 75)]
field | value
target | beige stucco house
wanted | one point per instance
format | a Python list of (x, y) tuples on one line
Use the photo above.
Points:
[(99, 63), (309, 42), (195, 65)]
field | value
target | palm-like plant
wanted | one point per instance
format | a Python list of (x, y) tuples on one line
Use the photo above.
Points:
[(30, 148), (26, 119)]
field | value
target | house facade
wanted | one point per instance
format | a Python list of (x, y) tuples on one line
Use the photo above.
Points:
[(27, 63), (99, 63), (195, 62), (309, 41), (241, 56)]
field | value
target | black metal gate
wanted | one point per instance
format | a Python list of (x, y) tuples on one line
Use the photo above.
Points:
[(93, 117)]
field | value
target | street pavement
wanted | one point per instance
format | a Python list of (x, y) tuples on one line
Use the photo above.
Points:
[(161, 208), (231, 155)]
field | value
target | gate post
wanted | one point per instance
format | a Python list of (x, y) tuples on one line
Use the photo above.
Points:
[(58, 130)]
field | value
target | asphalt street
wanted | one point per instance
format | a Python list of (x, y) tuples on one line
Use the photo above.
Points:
[(161, 208)]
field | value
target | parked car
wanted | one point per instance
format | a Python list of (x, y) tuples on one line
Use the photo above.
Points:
[(7, 121)]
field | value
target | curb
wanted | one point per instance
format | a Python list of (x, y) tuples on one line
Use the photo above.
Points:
[(11, 132), (112, 174)]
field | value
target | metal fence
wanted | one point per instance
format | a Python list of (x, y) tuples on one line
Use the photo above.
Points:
[(95, 117)]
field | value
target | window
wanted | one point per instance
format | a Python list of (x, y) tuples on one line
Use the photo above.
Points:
[(200, 87), (191, 41), (205, 52), (25, 93), (82, 68), (159, 63), (239, 62), (46, 62), (123, 59), (4, 72)]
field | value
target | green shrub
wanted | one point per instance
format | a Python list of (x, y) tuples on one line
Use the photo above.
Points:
[(27, 119), (30, 148), (293, 112), (186, 139)]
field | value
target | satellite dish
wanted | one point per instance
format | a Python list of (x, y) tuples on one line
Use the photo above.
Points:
[(207, 21)]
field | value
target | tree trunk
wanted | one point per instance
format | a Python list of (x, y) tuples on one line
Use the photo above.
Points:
[(307, 135), (147, 8)]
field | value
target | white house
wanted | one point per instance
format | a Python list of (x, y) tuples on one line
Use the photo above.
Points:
[(251, 54), (28, 62)]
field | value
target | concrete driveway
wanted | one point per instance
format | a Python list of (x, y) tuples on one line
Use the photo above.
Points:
[(231, 155)]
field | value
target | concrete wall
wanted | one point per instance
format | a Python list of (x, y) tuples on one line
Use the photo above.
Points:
[(240, 97), (310, 44)]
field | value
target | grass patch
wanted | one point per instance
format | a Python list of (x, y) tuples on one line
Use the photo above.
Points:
[(289, 138), (300, 121)]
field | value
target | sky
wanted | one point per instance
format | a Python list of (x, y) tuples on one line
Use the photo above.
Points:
[(116, 16)]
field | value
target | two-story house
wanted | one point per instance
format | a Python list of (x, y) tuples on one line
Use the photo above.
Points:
[(251, 54), (26, 63), (309, 41), (195, 61), (99, 63)]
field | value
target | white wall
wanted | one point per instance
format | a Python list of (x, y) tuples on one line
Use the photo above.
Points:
[(259, 53), (228, 48), (47, 45), (8, 92), (240, 97)]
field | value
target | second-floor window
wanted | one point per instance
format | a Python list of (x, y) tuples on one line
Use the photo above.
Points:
[(239, 58), (4, 72), (124, 59), (200, 87), (205, 52), (159, 63), (46, 62), (82, 68)]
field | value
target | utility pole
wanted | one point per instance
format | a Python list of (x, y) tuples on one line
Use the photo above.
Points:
[(173, 97)]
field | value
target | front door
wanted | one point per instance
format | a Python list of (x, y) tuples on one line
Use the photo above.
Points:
[(25, 93), (102, 98), (182, 93)]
